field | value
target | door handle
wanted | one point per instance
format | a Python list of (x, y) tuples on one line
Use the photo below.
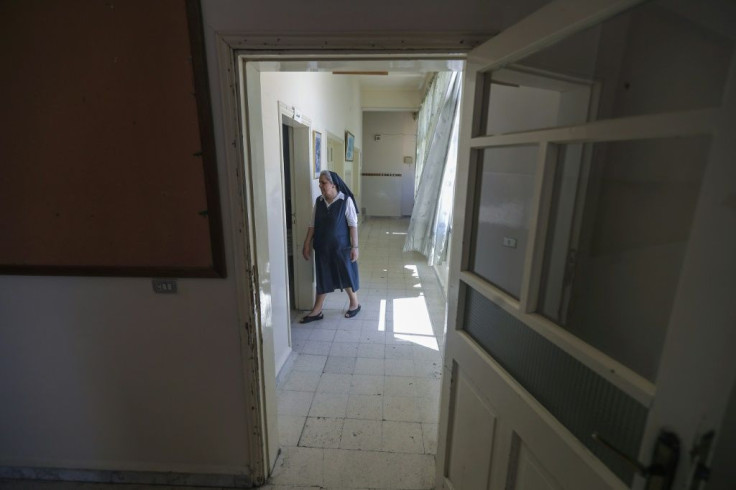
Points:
[(660, 474)]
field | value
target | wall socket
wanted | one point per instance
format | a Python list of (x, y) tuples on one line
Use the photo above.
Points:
[(509, 242), (164, 286)]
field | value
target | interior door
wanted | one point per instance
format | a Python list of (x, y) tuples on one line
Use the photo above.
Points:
[(639, 182)]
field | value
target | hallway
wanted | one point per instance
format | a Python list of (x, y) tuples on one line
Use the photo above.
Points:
[(358, 408)]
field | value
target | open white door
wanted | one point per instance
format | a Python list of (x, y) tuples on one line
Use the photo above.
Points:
[(298, 215), (631, 337)]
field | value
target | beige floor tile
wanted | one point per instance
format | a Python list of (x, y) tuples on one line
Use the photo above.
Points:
[(340, 365), (364, 435), (365, 365), (321, 432), (290, 429), (301, 381), (355, 469), (365, 407), (376, 351), (428, 409), (428, 387), (322, 335), (364, 384), (316, 348), (410, 471), (300, 333), (344, 349), (400, 409), (294, 402), (329, 405), (394, 351), (427, 354), (402, 437), (299, 466), (306, 362), (399, 367), (427, 369), (334, 383), (371, 336), (399, 386), (343, 335)]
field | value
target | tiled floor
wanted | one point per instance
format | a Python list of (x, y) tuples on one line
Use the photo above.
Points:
[(359, 406)]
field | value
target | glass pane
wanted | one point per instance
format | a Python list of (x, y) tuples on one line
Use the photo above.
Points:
[(620, 220), (502, 214), (659, 57)]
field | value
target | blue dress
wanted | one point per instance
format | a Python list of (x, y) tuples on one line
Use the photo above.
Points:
[(332, 248)]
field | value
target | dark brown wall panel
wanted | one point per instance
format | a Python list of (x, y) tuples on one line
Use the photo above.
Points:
[(106, 158)]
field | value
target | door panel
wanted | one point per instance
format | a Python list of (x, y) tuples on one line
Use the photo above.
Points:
[(619, 220), (482, 388), (528, 473), (473, 436)]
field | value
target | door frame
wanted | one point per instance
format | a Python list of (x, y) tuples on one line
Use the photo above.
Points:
[(242, 129)]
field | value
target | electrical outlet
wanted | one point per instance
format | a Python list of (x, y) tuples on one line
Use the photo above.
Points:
[(164, 286), (509, 242)]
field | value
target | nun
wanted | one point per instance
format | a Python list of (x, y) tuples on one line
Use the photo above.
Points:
[(334, 237)]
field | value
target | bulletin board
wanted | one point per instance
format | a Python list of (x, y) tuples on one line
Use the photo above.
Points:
[(107, 160)]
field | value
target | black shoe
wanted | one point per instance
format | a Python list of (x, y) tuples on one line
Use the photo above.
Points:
[(312, 318), (352, 313)]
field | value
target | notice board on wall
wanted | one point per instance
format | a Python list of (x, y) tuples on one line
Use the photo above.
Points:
[(107, 160)]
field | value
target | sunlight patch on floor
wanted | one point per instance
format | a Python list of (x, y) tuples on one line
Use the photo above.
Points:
[(382, 316), (412, 317), (427, 341), (413, 269)]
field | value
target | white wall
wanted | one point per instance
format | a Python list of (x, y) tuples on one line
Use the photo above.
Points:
[(103, 373), (384, 195), (384, 100), (332, 104)]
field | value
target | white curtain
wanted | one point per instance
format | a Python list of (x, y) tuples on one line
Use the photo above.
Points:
[(436, 162)]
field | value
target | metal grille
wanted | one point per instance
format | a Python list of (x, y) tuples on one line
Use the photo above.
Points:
[(579, 398)]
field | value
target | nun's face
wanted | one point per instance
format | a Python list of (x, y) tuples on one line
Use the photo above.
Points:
[(327, 188)]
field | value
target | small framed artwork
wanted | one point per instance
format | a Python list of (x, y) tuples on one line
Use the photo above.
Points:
[(317, 142), (349, 145)]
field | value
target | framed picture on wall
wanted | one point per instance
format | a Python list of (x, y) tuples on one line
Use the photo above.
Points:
[(349, 145), (317, 146)]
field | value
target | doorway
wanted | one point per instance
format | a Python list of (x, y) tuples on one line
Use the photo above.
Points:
[(269, 188)]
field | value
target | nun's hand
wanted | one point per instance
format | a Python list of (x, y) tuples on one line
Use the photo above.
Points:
[(307, 251), (353, 254)]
